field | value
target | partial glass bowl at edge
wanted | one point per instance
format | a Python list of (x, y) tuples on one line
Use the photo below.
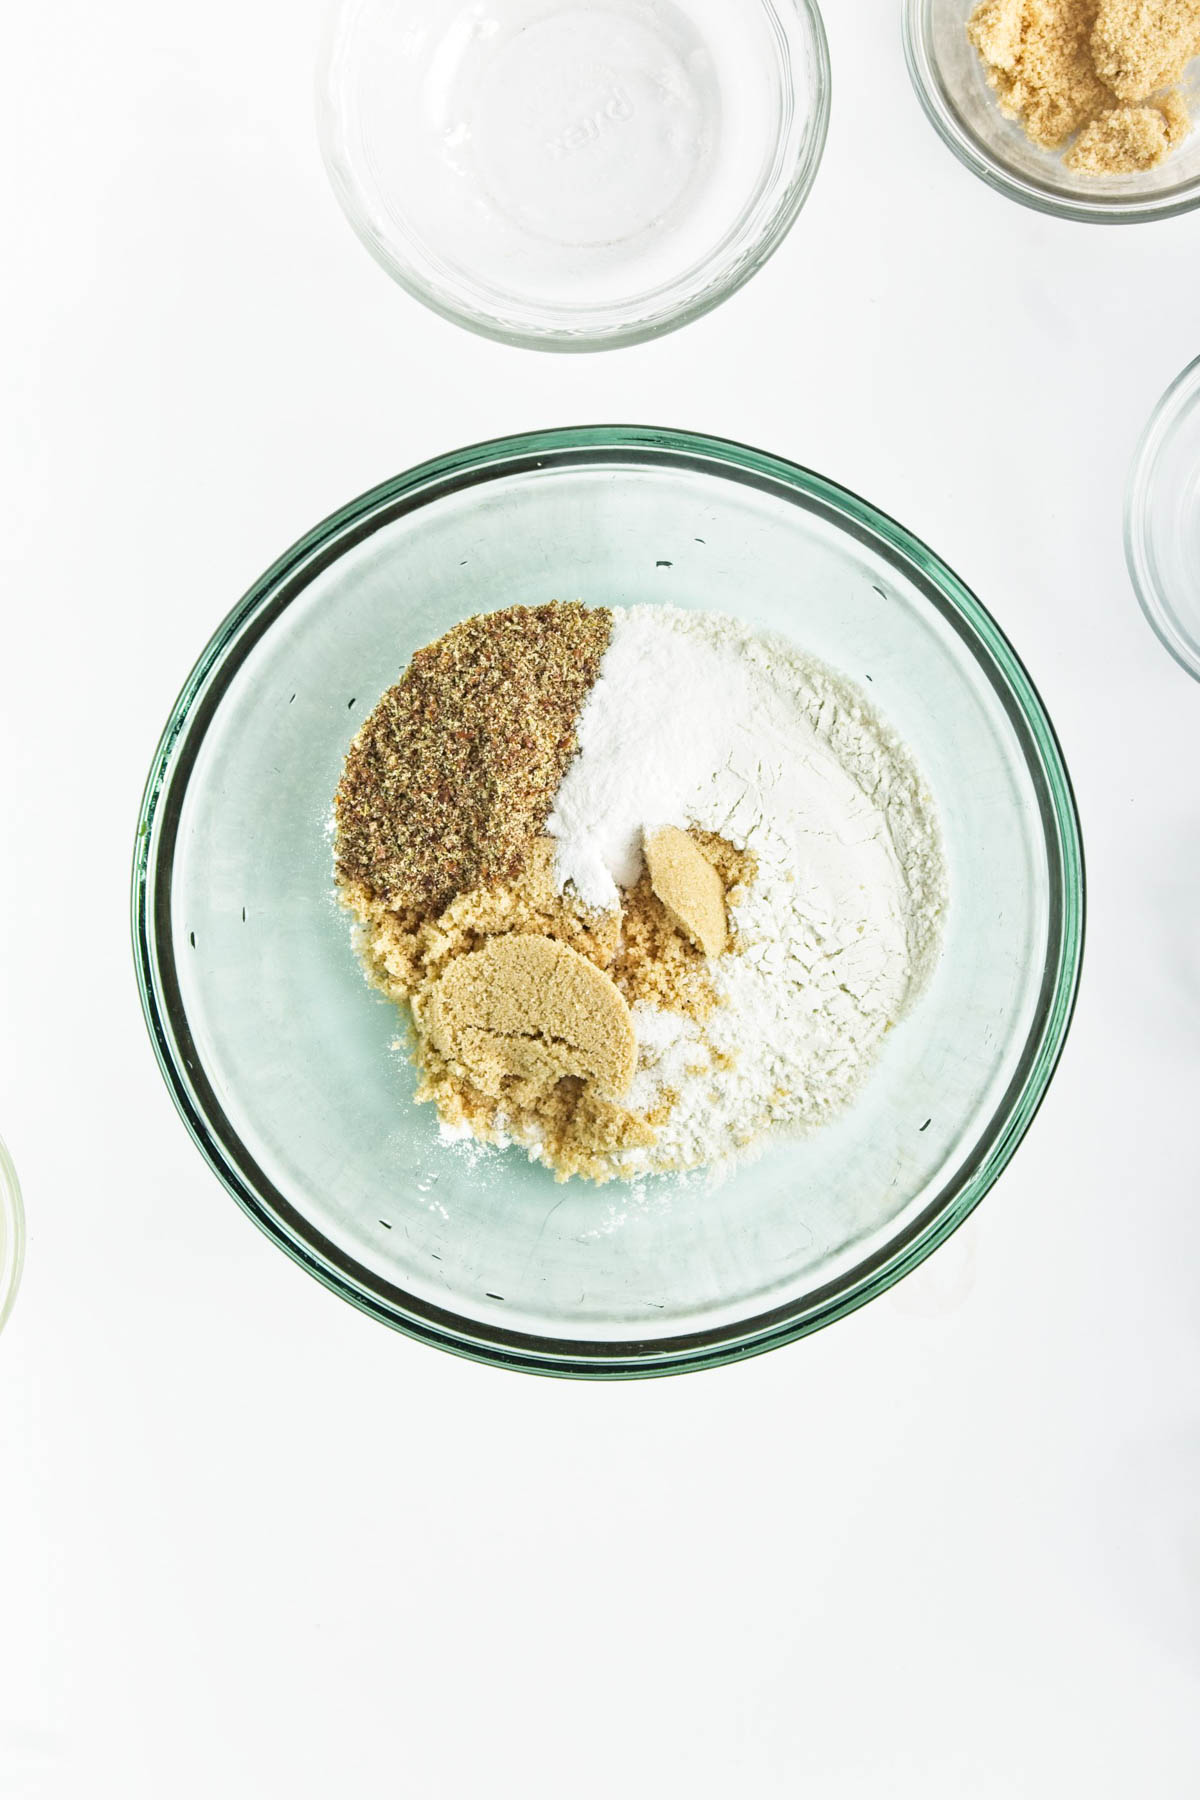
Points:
[(951, 85), (283, 1062), (572, 177), (1162, 519), (12, 1234)]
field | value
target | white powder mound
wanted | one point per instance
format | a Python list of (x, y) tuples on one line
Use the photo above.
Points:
[(696, 721), (666, 712)]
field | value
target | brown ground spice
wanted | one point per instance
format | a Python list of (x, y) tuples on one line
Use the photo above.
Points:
[(1101, 72), (451, 778)]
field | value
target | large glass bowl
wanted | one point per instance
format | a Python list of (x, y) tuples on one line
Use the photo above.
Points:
[(567, 175), (280, 1058), (951, 85)]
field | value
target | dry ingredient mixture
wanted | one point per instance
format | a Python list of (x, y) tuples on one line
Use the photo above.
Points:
[(674, 885), (1101, 77)]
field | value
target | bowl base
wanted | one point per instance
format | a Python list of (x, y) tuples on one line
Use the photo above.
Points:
[(586, 127)]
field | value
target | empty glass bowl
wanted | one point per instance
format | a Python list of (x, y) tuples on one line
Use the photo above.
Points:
[(951, 85), (12, 1234), (1162, 519), (568, 175), (281, 1059)]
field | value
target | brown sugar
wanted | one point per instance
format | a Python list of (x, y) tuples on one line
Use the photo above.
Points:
[(452, 776), (1139, 46), (577, 1132), (406, 948), (525, 1011), (655, 963), (1130, 138), (689, 887), (1101, 72), (408, 952)]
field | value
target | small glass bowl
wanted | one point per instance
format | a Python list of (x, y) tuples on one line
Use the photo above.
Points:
[(12, 1234), (572, 176), (951, 85), (1162, 519)]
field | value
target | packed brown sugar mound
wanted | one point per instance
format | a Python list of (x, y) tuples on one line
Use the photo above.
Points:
[(1098, 77), (523, 1012), (520, 1001)]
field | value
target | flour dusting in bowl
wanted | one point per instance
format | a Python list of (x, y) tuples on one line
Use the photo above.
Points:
[(650, 885)]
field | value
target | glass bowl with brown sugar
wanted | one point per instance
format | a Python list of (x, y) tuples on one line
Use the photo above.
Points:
[(1087, 109)]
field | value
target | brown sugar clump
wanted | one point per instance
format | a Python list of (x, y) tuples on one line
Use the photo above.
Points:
[(689, 887), (1139, 46), (405, 949), (1129, 138), (1099, 71), (655, 963), (408, 951), (450, 780), (1038, 58), (524, 1012)]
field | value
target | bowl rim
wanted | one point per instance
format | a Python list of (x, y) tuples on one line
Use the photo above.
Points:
[(269, 597), (1182, 394), (560, 335), (12, 1234), (1058, 202)]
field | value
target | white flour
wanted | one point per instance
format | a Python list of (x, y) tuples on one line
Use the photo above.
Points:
[(696, 721)]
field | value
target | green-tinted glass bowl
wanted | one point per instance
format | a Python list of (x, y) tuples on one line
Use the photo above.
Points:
[(280, 1057)]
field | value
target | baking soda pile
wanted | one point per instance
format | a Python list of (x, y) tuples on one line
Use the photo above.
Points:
[(818, 824)]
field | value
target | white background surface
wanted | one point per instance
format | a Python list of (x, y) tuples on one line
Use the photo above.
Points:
[(252, 1544)]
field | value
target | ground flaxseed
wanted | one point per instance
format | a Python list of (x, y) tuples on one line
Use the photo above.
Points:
[(449, 781)]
